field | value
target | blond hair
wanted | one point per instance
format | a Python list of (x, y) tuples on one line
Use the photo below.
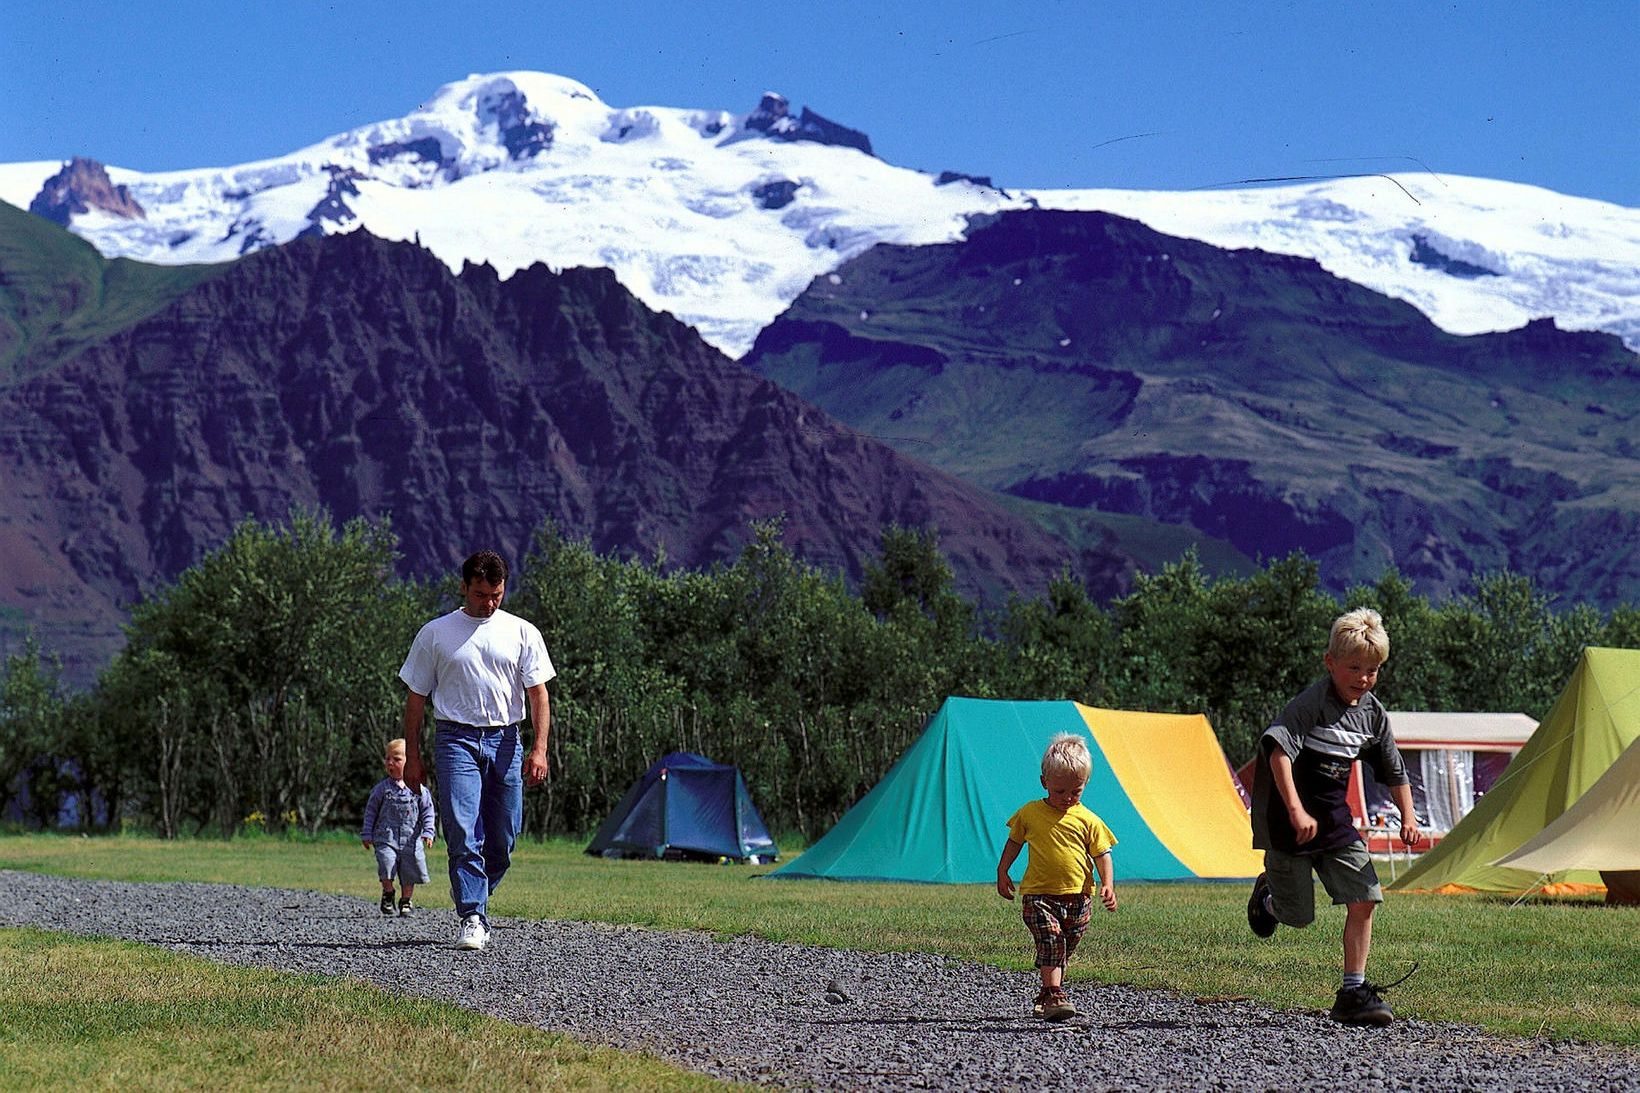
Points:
[(1359, 631), (1067, 754), (394, 747)]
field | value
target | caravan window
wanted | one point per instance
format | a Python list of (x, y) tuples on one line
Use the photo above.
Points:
[(1489, 766)]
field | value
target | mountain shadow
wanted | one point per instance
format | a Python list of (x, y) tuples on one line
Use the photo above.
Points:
[(1087, 360)]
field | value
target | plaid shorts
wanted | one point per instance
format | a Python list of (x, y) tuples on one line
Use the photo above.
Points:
[(1056, 923)]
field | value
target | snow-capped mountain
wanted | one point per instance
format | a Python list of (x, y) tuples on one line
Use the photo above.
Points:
[(1473, 254), (722, 219)]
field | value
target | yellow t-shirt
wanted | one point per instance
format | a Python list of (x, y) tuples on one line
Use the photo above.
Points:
[(1063, 846)]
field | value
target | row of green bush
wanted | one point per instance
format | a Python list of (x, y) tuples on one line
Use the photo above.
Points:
[(263, 682)]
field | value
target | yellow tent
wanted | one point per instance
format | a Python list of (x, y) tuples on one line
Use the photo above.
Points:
[(1171, 765), (1596, 718), (1601, 831)]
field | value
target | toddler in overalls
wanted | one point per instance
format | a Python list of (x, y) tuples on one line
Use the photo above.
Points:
[(398, 826)]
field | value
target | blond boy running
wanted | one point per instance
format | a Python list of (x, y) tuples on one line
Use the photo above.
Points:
[(1301, 813)]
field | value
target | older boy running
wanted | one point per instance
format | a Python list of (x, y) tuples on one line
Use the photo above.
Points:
[(1301, 815)]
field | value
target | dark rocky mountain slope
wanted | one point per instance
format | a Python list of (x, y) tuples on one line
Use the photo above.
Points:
[(1084, 359), (364, 376)]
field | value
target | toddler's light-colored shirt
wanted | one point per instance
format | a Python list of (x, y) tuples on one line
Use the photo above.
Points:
[(396, 816)]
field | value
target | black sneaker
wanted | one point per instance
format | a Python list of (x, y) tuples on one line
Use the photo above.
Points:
[(1258, 917), (387, 903), (1361, 1006), (405, 906)]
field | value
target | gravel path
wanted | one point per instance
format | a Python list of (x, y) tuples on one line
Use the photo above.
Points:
[(756, 1011)]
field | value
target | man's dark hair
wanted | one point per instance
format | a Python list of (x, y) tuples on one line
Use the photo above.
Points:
[(486, 565)]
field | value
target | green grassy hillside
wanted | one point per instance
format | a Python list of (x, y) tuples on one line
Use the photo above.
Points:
[(1151, 543), (57, 294)]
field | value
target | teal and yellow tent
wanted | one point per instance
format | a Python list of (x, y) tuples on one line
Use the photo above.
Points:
[(940, 814)]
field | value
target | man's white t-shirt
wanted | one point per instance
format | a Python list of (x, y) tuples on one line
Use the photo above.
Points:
[(477, 670)]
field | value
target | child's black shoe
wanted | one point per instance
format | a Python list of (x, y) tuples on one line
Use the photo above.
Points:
[(1361, 1006), (387, 902), (1258, 916), (405, 907), (1364, 1006)]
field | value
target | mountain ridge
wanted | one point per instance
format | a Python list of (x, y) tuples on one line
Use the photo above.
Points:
[(1220, 377), (363, 377), (704, 215)]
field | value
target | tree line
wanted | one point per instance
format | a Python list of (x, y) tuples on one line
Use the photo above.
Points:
[(258, 688)]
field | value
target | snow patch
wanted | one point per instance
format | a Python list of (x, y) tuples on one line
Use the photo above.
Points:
[(1321, 208), (530, 167)]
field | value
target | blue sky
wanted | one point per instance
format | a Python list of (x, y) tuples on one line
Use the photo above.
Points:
[(1049, 94)]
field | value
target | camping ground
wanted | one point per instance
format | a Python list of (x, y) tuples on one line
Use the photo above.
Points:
[(1565, 969)]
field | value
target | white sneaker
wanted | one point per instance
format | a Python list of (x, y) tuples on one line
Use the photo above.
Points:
[(474, 934)]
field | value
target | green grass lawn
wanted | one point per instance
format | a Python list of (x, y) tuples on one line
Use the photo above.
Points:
[(1556, 968), (89, 1014)]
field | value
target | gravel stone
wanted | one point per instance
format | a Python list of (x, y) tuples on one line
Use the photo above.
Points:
[(755, 1011)]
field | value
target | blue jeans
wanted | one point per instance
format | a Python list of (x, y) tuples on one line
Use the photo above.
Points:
[(481, 801)]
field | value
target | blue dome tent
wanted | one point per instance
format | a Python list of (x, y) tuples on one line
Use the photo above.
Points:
[(686, 807)]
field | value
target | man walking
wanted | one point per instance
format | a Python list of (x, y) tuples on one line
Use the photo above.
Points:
[(479, 665)]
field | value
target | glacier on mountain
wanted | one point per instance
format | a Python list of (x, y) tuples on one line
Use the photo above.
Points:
[(723, 219)]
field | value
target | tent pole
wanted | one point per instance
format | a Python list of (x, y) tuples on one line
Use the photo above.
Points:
[(1389, 835), (666, 809), (740, 843), (1543, 878)]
